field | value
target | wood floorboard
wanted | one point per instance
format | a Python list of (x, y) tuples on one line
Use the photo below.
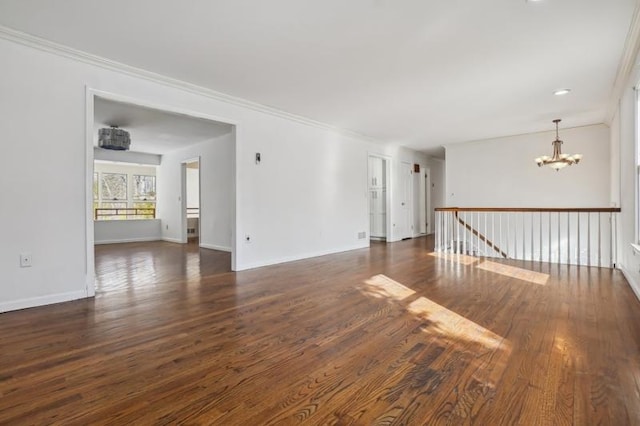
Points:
[(394, 334)]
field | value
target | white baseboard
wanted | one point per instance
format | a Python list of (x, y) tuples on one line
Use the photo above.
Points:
[(301, 256), (127, 240), (172, 240), (631, 279), (42, 300), (215, 247)]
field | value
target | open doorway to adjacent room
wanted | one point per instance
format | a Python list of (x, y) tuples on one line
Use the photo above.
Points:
[(191, 221), (379, 197), (421, 199), (149, 215)]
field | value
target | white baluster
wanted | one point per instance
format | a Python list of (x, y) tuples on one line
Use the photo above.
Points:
[(599, 241), (568, 239), (589, 238)]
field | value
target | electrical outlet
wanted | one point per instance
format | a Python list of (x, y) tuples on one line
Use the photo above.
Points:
[(25, 260), (247, 238), (166, 227)]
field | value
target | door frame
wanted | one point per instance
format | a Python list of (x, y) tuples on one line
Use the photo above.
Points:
[(90, 95)]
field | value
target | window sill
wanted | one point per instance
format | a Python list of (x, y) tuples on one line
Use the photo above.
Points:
[(636, 248)]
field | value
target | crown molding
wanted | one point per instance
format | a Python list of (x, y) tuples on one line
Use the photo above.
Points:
[(627, 64), (48, 46)]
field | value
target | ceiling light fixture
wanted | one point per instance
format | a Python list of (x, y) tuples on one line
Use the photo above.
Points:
[(561, 92), (114, 138), (559, 160)]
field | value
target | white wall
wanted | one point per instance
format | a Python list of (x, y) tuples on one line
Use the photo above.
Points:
[(193, 187), (308, 196), (126, 231), (501, 172), (126, 156), (217, 198)]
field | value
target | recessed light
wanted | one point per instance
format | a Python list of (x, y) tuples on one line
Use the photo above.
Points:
[(561, 92)]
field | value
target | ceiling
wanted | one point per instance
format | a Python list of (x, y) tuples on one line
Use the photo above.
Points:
[(413, 72), (154, 131)]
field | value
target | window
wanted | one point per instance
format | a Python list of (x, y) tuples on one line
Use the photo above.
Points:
[(119, 193), (114, 186), (144, 188)]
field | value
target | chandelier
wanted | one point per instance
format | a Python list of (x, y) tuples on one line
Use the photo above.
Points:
[(114, 138), (559, 160)]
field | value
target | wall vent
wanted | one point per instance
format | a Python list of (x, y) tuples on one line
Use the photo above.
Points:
[(191, 230)]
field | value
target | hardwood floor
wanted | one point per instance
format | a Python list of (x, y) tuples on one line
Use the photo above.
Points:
[(390, 335)]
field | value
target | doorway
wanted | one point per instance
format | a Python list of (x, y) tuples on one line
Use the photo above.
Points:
[(427, 200), (171, 126), (191, 196), (406, 201), (378, 181), (419, 201)]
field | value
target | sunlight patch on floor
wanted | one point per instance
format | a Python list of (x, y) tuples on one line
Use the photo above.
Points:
[(462, 259), (486, 354), (451, 324), (514, 272), (380, 286)]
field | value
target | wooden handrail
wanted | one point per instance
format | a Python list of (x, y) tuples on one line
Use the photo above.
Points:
[(530, 209), (479, 235), (123, 211)]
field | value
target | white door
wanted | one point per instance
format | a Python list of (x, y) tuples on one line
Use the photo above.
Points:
[(406, 196), (421, 201)]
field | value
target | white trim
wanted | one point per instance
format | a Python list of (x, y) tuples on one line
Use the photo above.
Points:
[(636, 188), (78, 55), (633, 283), (172, 240), (90, 266), (215, 247), (627, 63), (235, 202), (303, 256), (127, 240), (41, 300)]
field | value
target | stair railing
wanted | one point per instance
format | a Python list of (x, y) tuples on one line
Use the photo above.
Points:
[(580, 236)]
